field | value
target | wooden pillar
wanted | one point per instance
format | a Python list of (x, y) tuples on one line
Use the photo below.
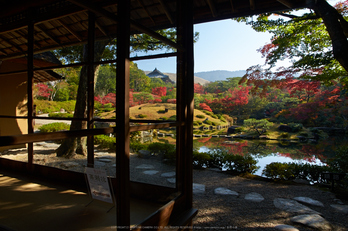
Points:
[(185, 71), (30, 81), (90, 87), (122, 118)]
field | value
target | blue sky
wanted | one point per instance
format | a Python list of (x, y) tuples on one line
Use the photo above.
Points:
[(222, 45)]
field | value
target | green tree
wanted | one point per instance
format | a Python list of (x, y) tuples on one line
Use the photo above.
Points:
[(315, 42), (106, 82), (104, 50), (138, 80), (260, 126)]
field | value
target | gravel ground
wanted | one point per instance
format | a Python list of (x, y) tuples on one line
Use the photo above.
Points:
[(215, 212)]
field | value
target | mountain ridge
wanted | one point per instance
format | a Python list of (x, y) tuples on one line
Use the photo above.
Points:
[(205, 77)]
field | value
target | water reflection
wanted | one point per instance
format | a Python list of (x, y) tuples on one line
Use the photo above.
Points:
[(266, 152)]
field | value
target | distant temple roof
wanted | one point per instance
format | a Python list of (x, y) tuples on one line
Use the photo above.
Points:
[(156, 74)]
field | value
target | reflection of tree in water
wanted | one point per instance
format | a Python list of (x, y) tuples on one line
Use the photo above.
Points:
[(322, 150)]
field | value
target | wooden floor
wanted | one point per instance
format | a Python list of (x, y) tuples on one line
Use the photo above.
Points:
[(28, 203)]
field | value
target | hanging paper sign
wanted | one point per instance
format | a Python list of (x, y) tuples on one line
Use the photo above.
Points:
[(98, 184)]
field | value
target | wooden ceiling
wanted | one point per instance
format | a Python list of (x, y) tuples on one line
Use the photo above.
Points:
[(64, 23)]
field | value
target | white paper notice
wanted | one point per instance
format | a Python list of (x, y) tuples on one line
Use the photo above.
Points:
[(98, 184)]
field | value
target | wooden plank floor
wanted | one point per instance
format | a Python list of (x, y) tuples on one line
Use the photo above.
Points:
[(31, 204)]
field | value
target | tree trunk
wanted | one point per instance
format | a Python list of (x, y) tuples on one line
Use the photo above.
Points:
[(336, 28), (72, 146)]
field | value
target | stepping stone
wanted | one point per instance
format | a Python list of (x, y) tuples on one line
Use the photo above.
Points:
[(105, 160), (225, 191), (99, 164), (292, 206), (168, 174), (341, 208), (150, 172), (69, 164), (53, 146), (309, 201), (312, 220), (171, 180), (100, 153), (144, 154), (253, 196), (198, 188), (286, 228), (145, 166)]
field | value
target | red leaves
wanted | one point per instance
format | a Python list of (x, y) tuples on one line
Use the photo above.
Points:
[(236, 97), (44, 90), (204, 106), (160, 91), (198, 88), (109, 98), (171, 101)]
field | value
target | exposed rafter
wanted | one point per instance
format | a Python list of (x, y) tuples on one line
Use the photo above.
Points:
[(97, 25), (46, 33), (71, 31), (147, 12), (166, 11), (212, 8), (11, 43), (233, 7), (286, 3), (100, 11), (252, 4)]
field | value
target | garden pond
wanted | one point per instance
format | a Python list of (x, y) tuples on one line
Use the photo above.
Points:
[(268, 151)]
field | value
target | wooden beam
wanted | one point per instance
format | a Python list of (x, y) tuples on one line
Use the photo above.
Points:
[(122, 118), (232, 7), (12, 44), (100, 11), (30, 82), (37, 137), (39, 27), (166, 11), (286, 3), (147, 12), (90, 87), (185, 96), (71, 31), (252, 4), (212, 8)]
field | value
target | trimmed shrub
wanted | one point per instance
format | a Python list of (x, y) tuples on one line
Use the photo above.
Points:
[(240, 164), (142, 116), (284, 135), (173, 117), (165, 149), (295, 127), (201, 159), (61, 115), (208, 112), (208, 122), (200, 116), (289, 171), (136, 146), (54, 127), (215, 123), (105, 141)]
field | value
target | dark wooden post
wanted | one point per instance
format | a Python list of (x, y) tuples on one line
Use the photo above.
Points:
[(122, 118), (90, 87), (185, 70), (30, 104)]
